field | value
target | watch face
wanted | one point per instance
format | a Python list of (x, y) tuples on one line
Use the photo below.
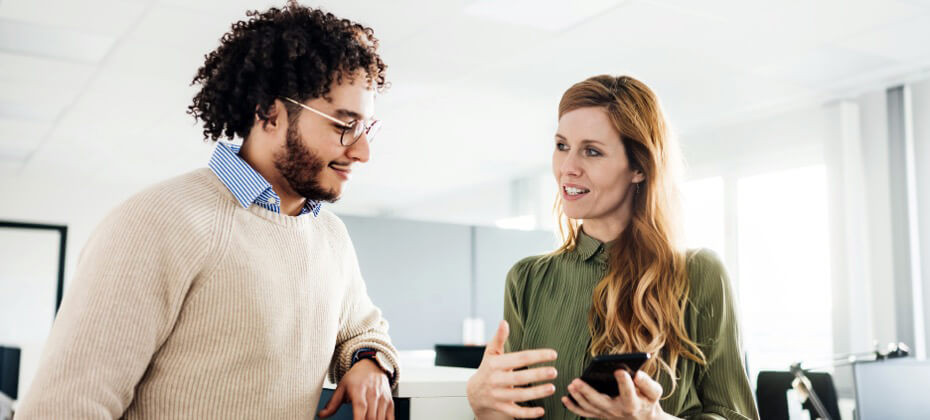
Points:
[(384, 363)]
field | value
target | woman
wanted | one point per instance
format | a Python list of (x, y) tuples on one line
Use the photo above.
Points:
[(618, 284)]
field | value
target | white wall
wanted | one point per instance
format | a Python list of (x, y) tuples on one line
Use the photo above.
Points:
[(789, 139), (531, 194), (79, 203)]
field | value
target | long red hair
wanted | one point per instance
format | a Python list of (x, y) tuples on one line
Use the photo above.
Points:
[(639, 305)]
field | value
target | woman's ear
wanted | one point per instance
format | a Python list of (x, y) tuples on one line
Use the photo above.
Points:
[(638, 176)]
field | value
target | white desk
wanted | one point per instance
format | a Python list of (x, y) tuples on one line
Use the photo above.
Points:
[(423, 393)]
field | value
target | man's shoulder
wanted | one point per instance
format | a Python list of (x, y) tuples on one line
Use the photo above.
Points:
[(189, 189), (331, 224), (171, 218), (182, 202)]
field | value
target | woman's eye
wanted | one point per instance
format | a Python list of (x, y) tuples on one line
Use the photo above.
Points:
[(561, 146), (592, 152)]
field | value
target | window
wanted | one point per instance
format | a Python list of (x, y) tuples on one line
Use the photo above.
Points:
[(703, 213), (784, 268)]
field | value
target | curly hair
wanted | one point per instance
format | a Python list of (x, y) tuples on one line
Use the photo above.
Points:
[(294, 51)]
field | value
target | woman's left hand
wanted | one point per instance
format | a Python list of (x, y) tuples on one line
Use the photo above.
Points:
[(638, 399)]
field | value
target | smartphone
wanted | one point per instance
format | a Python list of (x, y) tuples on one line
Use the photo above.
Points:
[(600, 372)]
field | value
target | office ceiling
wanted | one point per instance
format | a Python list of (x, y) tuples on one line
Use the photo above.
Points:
[(98, 89)]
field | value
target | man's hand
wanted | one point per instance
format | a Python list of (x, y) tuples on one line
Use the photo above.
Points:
[(367, 387)]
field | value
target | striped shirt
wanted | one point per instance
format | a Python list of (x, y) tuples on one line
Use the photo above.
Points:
[(547, 302), (246, 184)]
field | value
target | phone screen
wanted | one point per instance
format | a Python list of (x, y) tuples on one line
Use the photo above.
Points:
[(600, 372)]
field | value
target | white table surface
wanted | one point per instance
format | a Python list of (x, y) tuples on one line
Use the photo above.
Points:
[(428, 382)]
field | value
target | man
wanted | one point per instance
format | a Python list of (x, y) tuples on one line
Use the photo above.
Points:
[(227, 292)]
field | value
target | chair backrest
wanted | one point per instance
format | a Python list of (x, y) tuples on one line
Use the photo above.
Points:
[(9, 371), (772, 388), (457, 355)]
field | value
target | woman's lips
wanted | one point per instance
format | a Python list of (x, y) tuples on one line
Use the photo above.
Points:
[(580, 192)]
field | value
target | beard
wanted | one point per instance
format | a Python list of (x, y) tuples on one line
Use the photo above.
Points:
[(302, 168)]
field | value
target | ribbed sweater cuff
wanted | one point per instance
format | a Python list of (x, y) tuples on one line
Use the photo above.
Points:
[(343, 360)]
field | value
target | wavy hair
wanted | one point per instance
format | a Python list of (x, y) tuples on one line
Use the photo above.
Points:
[(639, 306)]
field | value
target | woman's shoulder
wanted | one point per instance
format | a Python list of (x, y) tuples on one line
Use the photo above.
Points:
[(707, 275), (528, 268), (703, 260)]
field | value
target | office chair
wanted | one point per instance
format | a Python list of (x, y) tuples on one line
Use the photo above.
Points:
[(9, 371), (772, 386), (457, 355)]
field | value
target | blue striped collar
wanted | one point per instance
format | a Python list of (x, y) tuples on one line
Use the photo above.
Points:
[(246, 184)]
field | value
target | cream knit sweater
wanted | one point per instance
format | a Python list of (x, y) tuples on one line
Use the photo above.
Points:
[(187, 306)]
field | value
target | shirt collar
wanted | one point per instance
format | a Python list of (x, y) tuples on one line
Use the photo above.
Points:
[(244, 182), (587, 247)]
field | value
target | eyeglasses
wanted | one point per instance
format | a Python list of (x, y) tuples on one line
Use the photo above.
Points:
[(357, 127)]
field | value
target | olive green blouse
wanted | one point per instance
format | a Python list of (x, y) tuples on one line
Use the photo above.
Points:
[(547, 300)]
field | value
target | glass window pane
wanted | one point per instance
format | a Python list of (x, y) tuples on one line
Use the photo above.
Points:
[(784, 268), (703, 211)]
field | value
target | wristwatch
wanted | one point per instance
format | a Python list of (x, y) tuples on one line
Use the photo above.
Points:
[(380, 359)]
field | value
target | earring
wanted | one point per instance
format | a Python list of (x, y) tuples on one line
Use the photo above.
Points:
[(637, 188)]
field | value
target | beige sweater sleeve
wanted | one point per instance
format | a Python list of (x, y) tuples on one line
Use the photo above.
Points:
[(361, 322), (120, 307)]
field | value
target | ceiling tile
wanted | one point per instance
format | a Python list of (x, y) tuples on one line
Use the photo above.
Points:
[(397, 21), (823, 66), (35, 101), (178, 63), (818, 21), (18, 67), (116, 107), (20, 138), (548, 15), (171, 25), (904, 41), (107, 18), (53, 42), (470, 42)]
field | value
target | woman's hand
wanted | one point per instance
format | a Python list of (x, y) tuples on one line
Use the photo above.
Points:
[(497, 387), (638, 399)]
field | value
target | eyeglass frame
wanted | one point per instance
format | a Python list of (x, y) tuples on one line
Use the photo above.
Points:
[(351, 125)]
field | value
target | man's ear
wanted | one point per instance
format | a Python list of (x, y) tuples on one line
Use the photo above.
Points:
[(272, 119)]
